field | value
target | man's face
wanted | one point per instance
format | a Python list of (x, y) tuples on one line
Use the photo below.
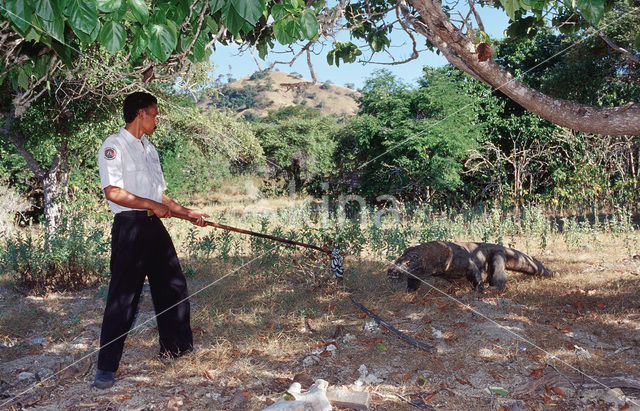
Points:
[(149, 119)]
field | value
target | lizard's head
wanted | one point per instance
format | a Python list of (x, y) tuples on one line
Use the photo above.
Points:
[(398, 271), (394, 275)]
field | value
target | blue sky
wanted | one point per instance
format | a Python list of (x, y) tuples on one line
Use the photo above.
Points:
[(227, 60)]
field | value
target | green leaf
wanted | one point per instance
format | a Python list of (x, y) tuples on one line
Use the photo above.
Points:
[(64, 52), (140, 10), (113, 36), (162, 41), (216, 5), (249, 10), (198, 51), (23, 79), (211, 24), (280, 32), (499, 391), (231, 19), (292, 28), (330, 57), (636, 43), (109, 6), (278, 12), (534, 4), (510, 6), (262, 49), (42, 64), (381, 347), (140, 43), (592, 10), (309, 24), (19, 12), (83, 15), (48, 9), (54, 28), (288, 396)]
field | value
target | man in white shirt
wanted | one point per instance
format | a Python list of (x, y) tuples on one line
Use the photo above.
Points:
[(132, 180)]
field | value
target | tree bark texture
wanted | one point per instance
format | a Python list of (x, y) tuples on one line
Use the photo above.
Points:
[(50, 179), (460, 51)]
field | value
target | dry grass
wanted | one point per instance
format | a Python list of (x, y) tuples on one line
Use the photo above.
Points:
[(259, 326)]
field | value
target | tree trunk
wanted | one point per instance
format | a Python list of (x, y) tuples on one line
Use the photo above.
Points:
[(460, 51), (50, 180), (53, 190)]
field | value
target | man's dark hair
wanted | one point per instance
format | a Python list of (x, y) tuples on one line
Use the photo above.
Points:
[(135, 102)]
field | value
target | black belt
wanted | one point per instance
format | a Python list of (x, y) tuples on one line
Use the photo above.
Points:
[(134, 214)]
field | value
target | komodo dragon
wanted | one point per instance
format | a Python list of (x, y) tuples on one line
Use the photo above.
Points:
[(478, 262)]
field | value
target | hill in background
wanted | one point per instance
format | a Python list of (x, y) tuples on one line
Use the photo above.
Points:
[(254, 96)]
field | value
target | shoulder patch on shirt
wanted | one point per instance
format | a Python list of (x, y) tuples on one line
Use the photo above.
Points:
[(109, 153)]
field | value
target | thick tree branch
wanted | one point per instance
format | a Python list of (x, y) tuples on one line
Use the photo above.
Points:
[(633, 56), (459, 48), (17, 139)]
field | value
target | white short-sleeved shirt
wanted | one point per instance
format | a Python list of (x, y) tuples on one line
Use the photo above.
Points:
[(133, 164)]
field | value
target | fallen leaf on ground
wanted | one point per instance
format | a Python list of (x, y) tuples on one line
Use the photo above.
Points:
[(499, 391), (373, 341), (463, 381), (460, 324), (428, 396), (537, 373)]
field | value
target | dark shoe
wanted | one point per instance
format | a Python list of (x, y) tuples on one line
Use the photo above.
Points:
[(104, 379)]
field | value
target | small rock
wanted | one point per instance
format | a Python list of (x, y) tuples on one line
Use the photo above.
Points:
[(348, 338), (587, 247), (310, 360), (238, 400), (25, 376), (213, 395), (39, 341), (615, 396)]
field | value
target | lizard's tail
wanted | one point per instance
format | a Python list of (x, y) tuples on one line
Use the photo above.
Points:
[(523, 263)]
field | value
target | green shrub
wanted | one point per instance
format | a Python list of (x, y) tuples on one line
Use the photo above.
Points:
[(258, 75), (74, 256)]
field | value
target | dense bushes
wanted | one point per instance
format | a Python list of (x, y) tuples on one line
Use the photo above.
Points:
[(72, 257), (298, 143)]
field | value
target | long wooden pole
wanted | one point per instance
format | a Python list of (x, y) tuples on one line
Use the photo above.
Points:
[(253, 233)]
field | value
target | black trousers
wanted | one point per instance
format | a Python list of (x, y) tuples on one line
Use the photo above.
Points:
[(140, 247)]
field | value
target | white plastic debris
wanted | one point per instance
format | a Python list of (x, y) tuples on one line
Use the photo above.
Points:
[(315, 399), (348, 338), (366, 377), (371, 327), (436, 333)]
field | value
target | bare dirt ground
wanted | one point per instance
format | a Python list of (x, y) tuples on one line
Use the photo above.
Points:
[(570, 342)]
